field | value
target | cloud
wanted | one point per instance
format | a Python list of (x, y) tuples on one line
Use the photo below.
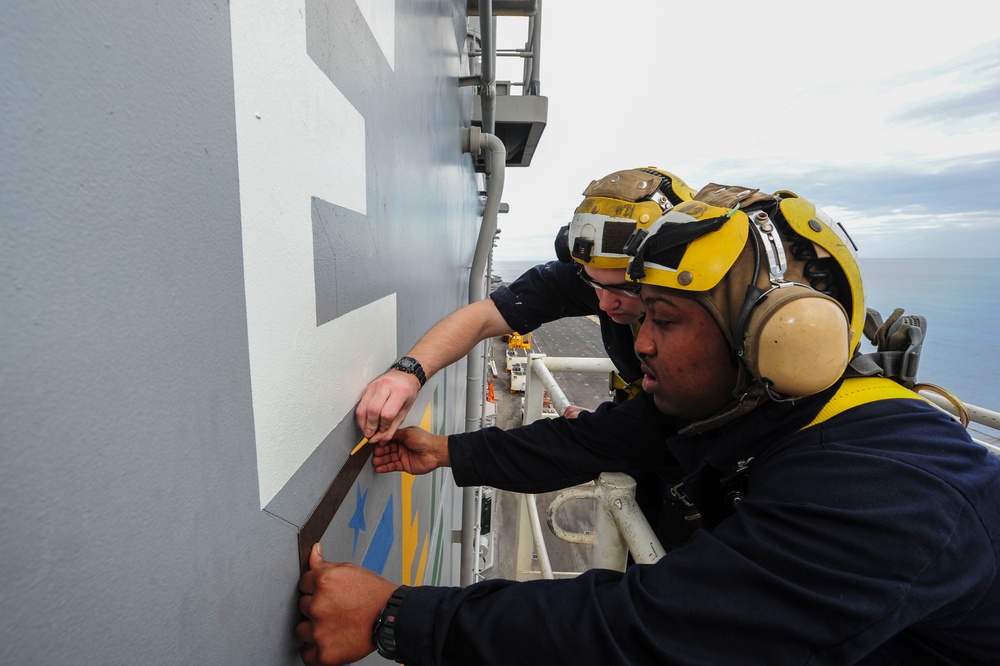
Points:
[(950, 209), (984, 102), (895, 133), (968, 184), (971, 90), (903, 212), (946, 209), (901, 237)]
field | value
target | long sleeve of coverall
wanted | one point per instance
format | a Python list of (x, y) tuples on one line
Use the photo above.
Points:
[(870, 538), (551, 454)]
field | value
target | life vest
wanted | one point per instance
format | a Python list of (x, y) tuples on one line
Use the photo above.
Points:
[(853, 392), (858, 391), (617, 383)]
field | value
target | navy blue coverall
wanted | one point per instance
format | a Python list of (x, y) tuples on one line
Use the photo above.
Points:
[(872, 537)]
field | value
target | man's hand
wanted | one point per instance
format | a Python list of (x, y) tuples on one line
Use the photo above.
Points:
[(387, 399), (412, 450), (572, 411), (340, 602), (385, 403)]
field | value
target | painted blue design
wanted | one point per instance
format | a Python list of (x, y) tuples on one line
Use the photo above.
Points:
[(381, 543), (357, 521)]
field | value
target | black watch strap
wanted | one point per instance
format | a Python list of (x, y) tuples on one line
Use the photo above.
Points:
[(384, 629), (412, 366)]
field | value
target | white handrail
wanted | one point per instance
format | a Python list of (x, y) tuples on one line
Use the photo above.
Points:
[(536, 533), (620, 526)]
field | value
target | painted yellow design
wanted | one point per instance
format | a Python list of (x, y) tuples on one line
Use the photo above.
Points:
[(411, 523)]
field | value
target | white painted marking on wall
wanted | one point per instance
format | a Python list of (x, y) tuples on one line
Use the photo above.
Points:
[(297, 137), (381, 18)]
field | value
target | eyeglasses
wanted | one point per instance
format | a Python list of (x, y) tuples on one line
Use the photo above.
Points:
[(625, 289)]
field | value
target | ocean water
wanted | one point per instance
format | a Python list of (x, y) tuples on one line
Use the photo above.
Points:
[(960, 299)]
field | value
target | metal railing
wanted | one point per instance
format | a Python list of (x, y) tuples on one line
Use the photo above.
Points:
[(530, 54), (619, 525)]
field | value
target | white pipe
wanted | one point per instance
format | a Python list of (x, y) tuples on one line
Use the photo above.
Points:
[(979, 415), (540, 366), (992, 448), (556, 395), (474, 141), (619, 525), (488, 86), (536, 532), (506, 7), (570, 364), (642, 541)]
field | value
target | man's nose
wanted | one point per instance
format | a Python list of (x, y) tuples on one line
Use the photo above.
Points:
[(606, 300), (643, 344)]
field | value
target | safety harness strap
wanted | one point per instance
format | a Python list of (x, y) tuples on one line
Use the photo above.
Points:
[(854, 392), (861, 391), (617, 383)]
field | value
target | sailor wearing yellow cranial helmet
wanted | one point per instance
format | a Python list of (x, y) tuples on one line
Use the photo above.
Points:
[(611, 209), (604, 221), (777, 274)]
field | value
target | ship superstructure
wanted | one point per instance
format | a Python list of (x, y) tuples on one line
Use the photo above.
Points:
[(218, 220)]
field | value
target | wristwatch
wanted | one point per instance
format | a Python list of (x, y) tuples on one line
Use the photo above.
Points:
[(384, 629), (411, 366)]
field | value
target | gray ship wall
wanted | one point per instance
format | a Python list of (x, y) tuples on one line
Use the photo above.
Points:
[(219, 221)]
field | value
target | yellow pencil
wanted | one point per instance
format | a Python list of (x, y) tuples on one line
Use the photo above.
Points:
[(364, 440)]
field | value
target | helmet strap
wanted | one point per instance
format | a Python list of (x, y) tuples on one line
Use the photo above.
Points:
[(669, 238)]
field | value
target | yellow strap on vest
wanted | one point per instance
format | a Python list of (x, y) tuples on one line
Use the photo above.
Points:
[(861, 391), (616, 383)]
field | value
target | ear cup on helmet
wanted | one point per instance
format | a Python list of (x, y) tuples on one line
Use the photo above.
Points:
[(797, 340), (562, 245)]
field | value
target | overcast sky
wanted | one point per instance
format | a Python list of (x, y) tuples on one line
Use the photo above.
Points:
[(885, 114)]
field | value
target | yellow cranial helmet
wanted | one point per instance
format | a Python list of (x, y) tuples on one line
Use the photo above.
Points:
[(779, 276), (612, 207)]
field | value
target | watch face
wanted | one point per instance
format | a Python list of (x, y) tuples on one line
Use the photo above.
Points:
[(411, 366)]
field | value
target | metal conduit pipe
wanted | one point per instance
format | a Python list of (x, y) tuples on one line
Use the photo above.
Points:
[(488, 60), (505, 7), (474, 141), (544, 565)]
